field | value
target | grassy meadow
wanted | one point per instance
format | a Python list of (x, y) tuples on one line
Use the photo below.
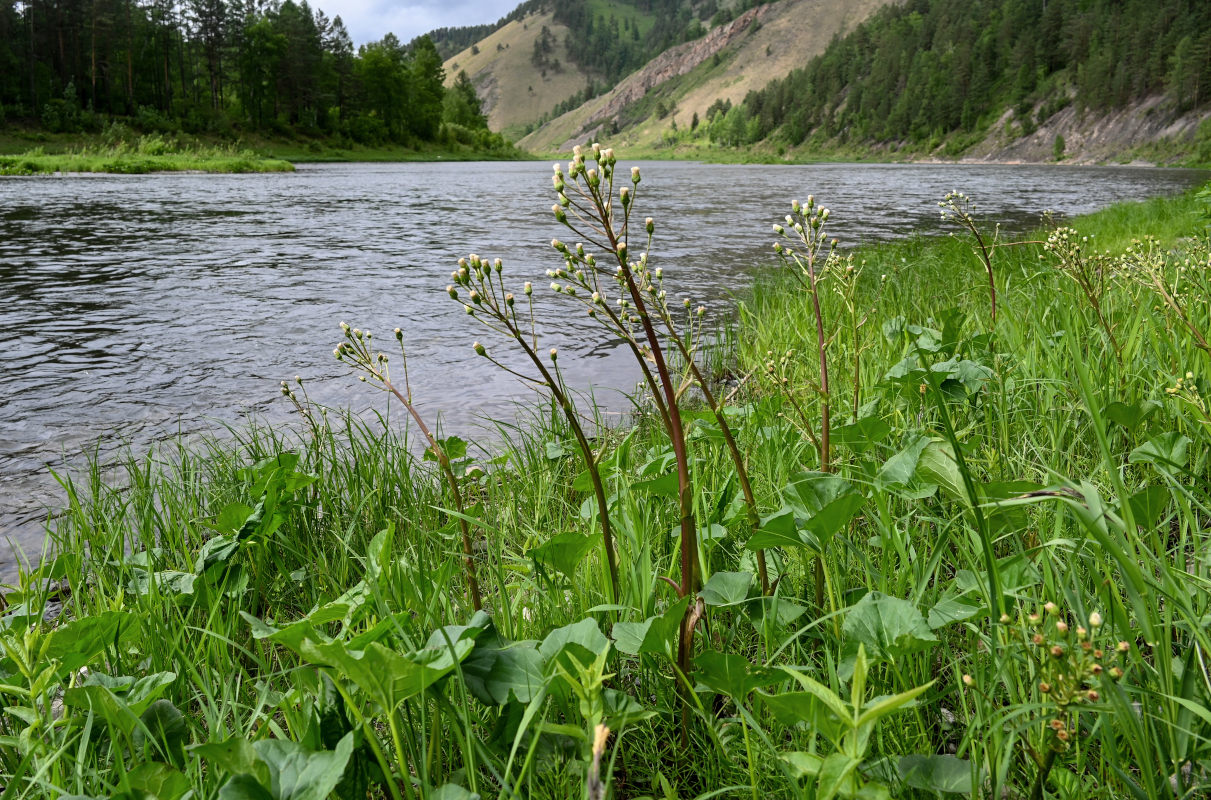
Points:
[(933, 522), (149, 153)]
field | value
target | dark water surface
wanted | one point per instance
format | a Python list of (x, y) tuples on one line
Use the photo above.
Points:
[(136, 307)]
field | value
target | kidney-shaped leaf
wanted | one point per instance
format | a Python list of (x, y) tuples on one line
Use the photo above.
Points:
[(826, 502), (386, 676), (584, 635), (727, 588), (888, 627), (654, 635), (944, 774), (732, 675)]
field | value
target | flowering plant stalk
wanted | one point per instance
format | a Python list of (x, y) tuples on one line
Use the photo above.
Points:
[(489, 303), (587, 206), (956, 207), (357, 352), (808, 262), (582, 275)]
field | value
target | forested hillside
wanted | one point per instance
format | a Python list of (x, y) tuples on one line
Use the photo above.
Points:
[(929, 69), (612, 40), (224, 67)]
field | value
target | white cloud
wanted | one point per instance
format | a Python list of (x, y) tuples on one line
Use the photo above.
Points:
[(370, 20)]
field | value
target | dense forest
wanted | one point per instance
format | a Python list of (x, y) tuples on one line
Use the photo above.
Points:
[(224, 67), (929, 69)]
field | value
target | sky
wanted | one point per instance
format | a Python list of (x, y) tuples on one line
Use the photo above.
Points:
[(370, 20)]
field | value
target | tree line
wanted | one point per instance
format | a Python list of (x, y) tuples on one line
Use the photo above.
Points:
[(928, 69), (224, 66)]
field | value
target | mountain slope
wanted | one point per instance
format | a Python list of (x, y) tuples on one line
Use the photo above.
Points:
[(513, 89), (727, 63), (955, 78)]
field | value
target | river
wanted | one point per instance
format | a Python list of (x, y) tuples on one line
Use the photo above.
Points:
[(133, 308)]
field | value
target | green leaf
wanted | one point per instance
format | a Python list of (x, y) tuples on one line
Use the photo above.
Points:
[(584, 636), (776, 610), (731, 674), (834, 775), (285, 770), (498, 671), (861, 435), (232, 517), (299, 774), (452, 791), (621, 709), (1167, 450), (826, 502), (887, 705), (888, 627), (564, 552), (794, 708), (454, 448), (1129, 416), (900, 469), (803, 765), (163, 729), (656, 634), (158, 780), (1148, 505), (943, 774), (937, 465), (216, 550), (950, 610), (778, 530), (821, 692), (387, 676), (234, 756), (244, 787), (78, 642), (665, 485), (727, 588), (168, 583), (557, 449)]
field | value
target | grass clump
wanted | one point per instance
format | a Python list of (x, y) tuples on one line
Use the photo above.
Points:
[(151, 153), (983, 548)]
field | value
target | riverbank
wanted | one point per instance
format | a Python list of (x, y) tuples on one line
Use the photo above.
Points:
[(143, 155), (1153, 154), (298, 584), (32, 151)]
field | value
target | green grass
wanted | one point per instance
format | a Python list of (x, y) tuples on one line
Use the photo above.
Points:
[(32, 152), (152, 153), (263, 586)]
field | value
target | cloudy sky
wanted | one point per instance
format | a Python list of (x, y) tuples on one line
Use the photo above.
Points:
[(369, 20)]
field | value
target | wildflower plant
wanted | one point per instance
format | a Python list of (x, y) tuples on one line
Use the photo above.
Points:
[(1182, 287), (1090, 270), (957, 208), (1194, 393), (358, 352), (488, 302), (1065, 664), (811, 259), (590, 207)]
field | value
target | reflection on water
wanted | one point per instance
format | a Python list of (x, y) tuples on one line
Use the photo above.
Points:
[(134, 307)]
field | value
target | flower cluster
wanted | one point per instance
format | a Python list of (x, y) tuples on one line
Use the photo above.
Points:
[(812, 252), (956, 207), (1194, 392), (1068, 662)]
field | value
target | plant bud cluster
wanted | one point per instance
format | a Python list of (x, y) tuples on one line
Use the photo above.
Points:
[(1069, 661)]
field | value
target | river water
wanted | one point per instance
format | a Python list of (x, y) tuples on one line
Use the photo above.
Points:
[(133, 308)]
